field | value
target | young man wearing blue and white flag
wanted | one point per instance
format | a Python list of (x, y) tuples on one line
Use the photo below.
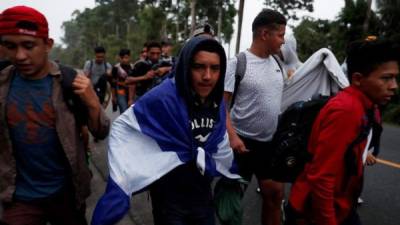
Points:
[(173, 141)]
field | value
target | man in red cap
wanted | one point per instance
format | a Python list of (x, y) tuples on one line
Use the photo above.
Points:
[(44, 177)]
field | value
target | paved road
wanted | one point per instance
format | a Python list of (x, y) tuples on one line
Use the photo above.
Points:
[(382, 200), (140, 212)]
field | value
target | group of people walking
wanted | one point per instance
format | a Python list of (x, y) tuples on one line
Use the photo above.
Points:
[(177, 130)]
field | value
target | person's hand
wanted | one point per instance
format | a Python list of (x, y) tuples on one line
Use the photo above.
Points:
[(150, 74), (163, 70), (237, 144), (290, 73), (371, 159), (83, 88)]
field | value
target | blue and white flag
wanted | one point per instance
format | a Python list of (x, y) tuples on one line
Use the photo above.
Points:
[(150, 139)]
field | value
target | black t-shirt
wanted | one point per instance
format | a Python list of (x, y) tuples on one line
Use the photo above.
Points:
[(202, 121), (141, 68), (185, 184)]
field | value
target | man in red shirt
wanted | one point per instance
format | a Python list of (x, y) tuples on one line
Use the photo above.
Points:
[(326, 191)]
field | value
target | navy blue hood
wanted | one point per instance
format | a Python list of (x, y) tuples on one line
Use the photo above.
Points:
[(182, 72)]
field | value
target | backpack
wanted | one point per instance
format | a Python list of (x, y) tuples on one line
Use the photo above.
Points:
[(91, 66), (100, 87), (290, 141), (73, 102)]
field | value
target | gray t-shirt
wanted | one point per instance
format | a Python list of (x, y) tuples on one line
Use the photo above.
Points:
[(96, 71), (258, 100)]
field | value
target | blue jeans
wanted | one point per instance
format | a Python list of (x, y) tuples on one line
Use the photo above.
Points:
[(122, 103)]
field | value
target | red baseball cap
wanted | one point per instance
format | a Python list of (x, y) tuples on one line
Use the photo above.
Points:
[(23, 20)]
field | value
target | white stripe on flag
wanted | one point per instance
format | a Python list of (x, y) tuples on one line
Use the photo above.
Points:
[(135, 159), (201, 160)]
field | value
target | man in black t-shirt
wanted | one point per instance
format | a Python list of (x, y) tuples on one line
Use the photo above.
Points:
[(150, 72)]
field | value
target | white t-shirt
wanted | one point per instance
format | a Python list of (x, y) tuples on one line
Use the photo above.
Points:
[(258, 101)]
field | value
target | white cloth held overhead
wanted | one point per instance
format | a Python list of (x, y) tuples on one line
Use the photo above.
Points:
[(321, 74)]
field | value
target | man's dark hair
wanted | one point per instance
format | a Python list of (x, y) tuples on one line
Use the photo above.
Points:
[(364, 56), (153, 44), (99, 49), (203, 29), (124, 52), (166, 43), (267, 18)]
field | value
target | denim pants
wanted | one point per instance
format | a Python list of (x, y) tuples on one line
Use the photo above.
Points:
[(122, 102)]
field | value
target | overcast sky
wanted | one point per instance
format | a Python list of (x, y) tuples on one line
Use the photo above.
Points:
[(58, 11)]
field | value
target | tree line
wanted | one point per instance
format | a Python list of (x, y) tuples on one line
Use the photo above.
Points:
[(117, 24)]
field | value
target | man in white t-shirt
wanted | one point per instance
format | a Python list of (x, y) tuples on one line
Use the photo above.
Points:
[(253, 118)]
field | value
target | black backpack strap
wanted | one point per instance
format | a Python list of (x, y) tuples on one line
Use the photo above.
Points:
[(90, 68), (280, 66), (239, 74), (91, 65), (350, 157), (74, 103)]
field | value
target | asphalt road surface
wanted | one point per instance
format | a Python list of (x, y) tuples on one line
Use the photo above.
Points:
[(381, 189)]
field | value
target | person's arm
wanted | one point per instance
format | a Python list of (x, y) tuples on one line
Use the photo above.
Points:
[(86, 68), (98, 122), (131, 94), (236, 143), (163, 70), (335, 131), (109, 69), (132, 80), (114, 73)]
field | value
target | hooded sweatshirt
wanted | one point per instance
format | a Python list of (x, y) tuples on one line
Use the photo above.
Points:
[(185, 184)]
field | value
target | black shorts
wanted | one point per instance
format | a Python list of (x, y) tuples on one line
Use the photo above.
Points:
[(256, 161)]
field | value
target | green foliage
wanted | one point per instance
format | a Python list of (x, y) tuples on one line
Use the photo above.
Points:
[(117, 24), (351, 21), (290, 7), (389, 11), (312, 35), (336, 35)]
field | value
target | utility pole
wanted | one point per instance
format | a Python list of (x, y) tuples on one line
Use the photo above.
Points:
[(240, 19), (220, 2), (193, 14)]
